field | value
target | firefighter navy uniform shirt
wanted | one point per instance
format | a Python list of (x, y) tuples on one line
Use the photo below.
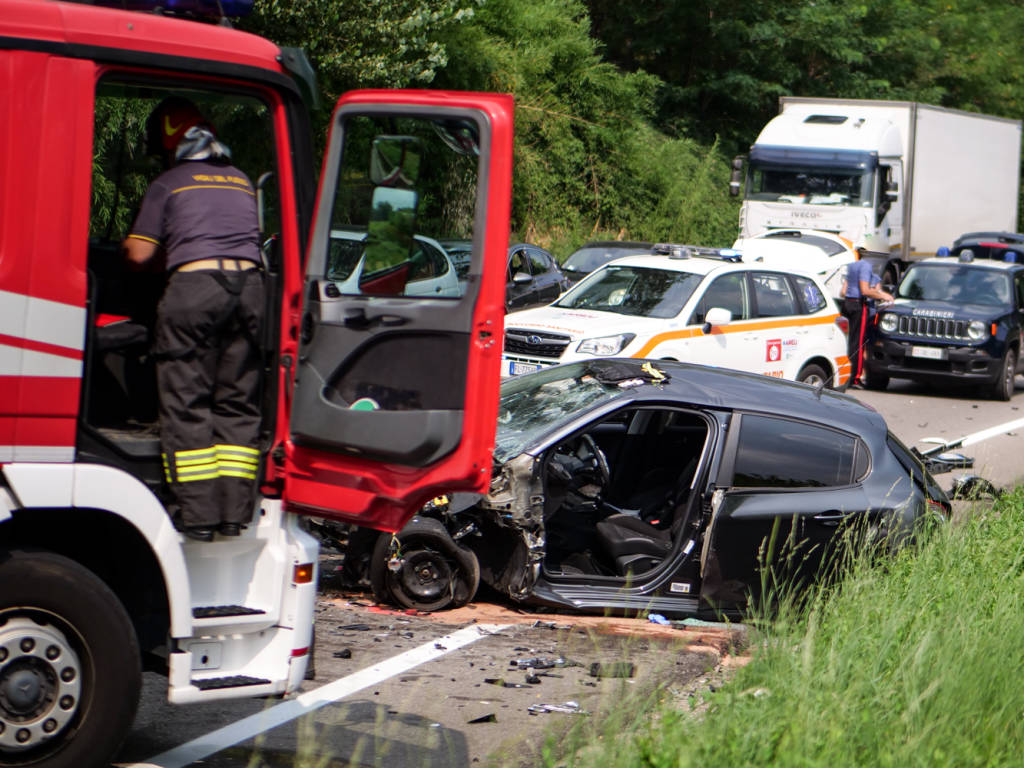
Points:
[(200, 210)]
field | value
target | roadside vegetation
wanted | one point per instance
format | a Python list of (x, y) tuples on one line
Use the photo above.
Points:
[(907, 662), (627, 117)]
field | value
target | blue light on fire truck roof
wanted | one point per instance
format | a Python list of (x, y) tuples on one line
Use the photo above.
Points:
[(206, 9)]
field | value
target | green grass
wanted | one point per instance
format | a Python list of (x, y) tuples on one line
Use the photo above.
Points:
[(914, 662)]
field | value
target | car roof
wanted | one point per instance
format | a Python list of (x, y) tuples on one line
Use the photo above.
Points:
[(706, 386), (1000, 238), (624, 245), (696, 264), (797, 233), (1003, 266)]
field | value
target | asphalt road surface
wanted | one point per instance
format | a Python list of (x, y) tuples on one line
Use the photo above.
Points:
[(394, 689)]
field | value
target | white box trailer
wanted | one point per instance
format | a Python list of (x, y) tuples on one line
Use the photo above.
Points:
[(903, 178)]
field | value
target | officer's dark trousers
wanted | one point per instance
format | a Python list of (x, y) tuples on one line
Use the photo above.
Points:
[(208, 373), (855, 311)]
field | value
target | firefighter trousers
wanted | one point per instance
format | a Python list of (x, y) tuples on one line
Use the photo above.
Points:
[(207, 348)]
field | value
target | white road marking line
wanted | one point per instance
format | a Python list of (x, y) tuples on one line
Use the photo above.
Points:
[(248, 727), (977, 437)]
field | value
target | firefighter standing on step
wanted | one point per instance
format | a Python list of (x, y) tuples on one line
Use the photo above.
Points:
[(199, 218)]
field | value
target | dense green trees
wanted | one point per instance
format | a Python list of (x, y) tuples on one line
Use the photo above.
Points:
[(627, 114)]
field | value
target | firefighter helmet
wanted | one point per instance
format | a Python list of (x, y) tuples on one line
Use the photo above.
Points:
[(168, 122)]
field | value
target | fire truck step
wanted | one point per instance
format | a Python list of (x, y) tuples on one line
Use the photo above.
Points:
[(234, 681), (220, 611)]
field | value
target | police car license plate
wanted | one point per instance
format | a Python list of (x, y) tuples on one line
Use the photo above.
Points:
[(929, 353), (514, 368)]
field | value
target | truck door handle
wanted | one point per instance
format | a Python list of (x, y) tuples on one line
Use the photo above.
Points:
[(357, 319)]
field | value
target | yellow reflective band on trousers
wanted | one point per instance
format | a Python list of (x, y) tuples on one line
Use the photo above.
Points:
[(237, 461), (211, 463)]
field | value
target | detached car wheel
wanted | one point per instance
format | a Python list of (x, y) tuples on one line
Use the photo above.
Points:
[(70, 672), (431, 571), (1002, 387)]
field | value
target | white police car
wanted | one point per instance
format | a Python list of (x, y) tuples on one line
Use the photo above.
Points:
[(700, 305)]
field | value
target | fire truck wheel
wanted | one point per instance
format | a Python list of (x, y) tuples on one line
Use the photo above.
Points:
[(433, 571), (70, 672)]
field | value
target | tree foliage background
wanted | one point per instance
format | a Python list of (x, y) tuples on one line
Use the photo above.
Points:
[(627, 116)]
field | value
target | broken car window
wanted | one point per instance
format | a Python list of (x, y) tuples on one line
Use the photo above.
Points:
[(531, 406)]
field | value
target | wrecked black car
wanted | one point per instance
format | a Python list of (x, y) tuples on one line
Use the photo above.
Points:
[(627, 487)]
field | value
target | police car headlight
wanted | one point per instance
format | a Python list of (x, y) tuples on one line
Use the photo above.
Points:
[(606, 345), (976, 331), (888, 322)]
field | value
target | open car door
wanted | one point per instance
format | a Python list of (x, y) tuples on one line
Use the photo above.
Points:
[(396, 384)]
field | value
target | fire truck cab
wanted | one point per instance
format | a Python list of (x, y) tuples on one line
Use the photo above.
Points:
[(360, 421)]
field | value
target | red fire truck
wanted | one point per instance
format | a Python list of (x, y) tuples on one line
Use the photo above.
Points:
[(380, 385)]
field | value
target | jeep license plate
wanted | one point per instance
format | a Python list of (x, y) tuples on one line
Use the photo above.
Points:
[(928, 353), (514, 368)]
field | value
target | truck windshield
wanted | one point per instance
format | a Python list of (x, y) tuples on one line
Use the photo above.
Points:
[(812, 185), (960, 283), (640, 291)]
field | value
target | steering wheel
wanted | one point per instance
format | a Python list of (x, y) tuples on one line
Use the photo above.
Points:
[(589, 453)]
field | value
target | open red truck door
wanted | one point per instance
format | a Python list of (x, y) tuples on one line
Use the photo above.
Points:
[(396, 382)]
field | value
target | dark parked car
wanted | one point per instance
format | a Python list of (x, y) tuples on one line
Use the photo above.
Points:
[(596, 254), (955, 321), (620, 486), (1002, 246), (533, 278)]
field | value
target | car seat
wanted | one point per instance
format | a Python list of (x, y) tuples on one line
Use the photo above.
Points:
[(636, 544)]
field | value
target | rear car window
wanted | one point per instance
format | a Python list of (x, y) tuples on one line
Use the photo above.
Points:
[(783, 453), (812, 298), (773, 295)]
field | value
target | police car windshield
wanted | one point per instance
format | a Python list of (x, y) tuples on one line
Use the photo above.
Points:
[(637, 291), (957, 283), (534, 405)]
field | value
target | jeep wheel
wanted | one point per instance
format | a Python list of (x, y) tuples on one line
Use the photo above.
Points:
[(872, 380), (1003, 386)]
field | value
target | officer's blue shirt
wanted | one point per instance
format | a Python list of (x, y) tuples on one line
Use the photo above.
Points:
[(855, 272)]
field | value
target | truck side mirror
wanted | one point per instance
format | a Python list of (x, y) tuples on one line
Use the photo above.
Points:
[(736, 178)]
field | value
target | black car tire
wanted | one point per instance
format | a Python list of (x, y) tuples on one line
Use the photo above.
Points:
[(85, 685), (873, 380), (1002, 388), (435, 573), (813, 375)]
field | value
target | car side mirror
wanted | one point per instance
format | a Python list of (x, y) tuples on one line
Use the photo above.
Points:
[(520, 278), (716, 316)]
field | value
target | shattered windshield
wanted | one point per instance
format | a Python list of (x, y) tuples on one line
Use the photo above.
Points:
[(533, 405), (962, 284), (639, 291)]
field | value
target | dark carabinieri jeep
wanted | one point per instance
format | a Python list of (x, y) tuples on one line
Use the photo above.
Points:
[(955, 320)]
